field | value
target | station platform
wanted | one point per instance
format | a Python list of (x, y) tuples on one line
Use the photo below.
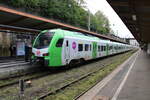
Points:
[(11, 59), (130, 81)]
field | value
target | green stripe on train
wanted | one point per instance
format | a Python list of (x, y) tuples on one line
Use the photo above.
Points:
[(55, 52), (107, 49), (94, 51)]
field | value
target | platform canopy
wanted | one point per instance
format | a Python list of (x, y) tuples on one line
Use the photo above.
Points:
[(136, 15), (15, 20)]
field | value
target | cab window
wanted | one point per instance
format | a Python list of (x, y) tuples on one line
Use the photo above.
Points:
[(59, 43), (43, 40)]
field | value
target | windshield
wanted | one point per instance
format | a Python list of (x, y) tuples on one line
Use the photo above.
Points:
[(43, 40)]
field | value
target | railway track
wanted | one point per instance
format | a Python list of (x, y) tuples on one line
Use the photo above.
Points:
[(25, 79), (14, 78), (76, 81), (39, 73), (70, 83), (23, 76), (82, 93), (58, 79), (6, 60), (12, 64)]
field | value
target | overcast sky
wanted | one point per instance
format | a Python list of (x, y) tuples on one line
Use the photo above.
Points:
[(116, 24)]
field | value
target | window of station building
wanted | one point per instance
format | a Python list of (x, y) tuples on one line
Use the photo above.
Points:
[(59, 43), (80, 47), (86, 47)]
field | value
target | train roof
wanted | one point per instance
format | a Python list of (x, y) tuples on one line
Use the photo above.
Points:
[(81, 36), (74, 34)]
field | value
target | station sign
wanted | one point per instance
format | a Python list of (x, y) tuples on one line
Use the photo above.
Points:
[(20, 48)]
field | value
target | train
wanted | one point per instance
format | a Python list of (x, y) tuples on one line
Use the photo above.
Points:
[(58, 47)]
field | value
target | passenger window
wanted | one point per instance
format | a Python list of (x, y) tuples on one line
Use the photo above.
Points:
[(86, 47), (59, 43), (90, 47), (80, 47), (104, 48), (99, 49), (110, 48), (67, 43)]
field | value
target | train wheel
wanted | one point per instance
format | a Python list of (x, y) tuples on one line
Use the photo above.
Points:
[(82, 61), (72, 63)]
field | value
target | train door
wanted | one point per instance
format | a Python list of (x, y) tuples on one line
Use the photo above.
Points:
[(107, 49), (94, 50), (67, 51)]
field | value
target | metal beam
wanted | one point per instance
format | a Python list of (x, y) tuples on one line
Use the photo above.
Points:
[(38, 24), (14, 28), (125, 14), (12, 11), (119, 3), (14, 21)]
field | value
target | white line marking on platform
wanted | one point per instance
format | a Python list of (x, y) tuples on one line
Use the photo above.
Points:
[(92, 92), (124, 80)]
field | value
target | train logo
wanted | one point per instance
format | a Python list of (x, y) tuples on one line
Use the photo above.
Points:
[(38, 53), (74, 45)]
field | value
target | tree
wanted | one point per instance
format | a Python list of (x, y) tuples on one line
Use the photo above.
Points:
[(67, 11), (102, 22)]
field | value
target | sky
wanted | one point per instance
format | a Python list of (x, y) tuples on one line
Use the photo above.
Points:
[(116, 23)]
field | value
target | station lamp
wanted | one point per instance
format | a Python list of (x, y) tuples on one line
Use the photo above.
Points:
[(134, 17)]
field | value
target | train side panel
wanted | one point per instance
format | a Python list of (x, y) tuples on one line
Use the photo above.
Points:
[(67, 46)]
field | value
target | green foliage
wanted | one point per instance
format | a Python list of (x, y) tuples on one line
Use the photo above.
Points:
[(102, 24), (67, 11)]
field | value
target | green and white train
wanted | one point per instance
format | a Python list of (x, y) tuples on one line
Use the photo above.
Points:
[(59, 47)]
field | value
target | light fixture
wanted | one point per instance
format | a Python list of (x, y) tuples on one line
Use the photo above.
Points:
[(134, 17), (136, 29)]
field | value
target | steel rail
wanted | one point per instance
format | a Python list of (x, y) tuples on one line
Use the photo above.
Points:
[(31, 78), (70, 83), (14, 65)]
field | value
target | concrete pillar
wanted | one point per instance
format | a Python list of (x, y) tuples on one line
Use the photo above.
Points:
[(148, 48)]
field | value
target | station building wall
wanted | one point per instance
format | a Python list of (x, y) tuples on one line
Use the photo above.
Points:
[(10, 39), (5, 41)]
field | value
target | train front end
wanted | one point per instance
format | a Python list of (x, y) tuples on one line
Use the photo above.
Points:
[(41, 46)]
